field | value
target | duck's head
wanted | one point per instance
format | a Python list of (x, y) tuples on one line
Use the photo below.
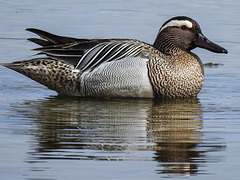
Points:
[(182, 33)]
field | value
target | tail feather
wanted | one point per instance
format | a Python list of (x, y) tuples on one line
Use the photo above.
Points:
[(55, 39), (40, 42)]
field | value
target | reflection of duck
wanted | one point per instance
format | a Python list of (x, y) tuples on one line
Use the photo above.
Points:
[(175, 129), (118, 130), (111, 125)]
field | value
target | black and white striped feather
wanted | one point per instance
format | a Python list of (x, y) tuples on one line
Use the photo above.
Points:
[(85, 54)]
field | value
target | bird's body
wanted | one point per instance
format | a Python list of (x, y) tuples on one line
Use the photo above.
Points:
[(120, 67)]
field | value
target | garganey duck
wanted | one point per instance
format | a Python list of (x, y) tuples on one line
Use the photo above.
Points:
[(122, 67)]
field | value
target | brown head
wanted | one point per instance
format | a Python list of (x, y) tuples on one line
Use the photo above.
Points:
[(182, 33)]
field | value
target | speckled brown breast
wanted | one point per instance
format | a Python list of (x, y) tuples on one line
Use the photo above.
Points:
[(176, 76)]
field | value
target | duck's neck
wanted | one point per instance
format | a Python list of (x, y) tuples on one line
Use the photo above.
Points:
[(166, 44)]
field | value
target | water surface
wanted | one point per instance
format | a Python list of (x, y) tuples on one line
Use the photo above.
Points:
[(44, 136)]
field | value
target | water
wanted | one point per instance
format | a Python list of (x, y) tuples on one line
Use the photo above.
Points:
[(44, 136)]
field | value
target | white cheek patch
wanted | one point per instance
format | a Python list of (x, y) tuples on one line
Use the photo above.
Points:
[(177, 23)]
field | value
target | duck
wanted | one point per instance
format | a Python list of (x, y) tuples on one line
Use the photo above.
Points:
[(121, 68)]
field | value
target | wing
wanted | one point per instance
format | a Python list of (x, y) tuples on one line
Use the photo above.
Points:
[(108, 51), (86, 54)]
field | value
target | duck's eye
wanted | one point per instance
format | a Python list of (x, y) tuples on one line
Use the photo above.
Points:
[(184, 27)]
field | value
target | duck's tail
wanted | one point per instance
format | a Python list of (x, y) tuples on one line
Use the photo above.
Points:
[(56, 75)]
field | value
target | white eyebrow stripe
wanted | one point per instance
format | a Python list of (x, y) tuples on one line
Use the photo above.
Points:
[(178, 23)]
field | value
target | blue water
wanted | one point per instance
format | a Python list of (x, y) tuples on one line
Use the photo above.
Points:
[(44, 136)]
